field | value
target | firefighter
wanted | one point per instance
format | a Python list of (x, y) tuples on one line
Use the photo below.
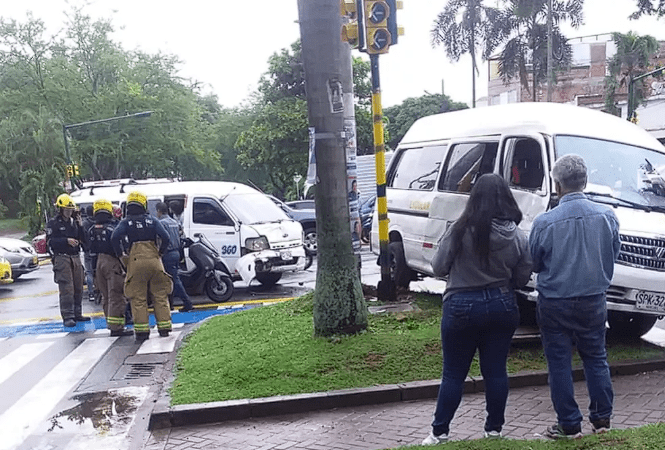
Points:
[(64, 240), (145, 271), (109, 272)]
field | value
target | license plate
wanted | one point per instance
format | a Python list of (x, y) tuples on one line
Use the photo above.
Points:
[(650, 301), (286, 256)]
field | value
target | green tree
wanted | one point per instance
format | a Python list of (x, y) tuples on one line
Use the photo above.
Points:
[(275, 147), (401, 117), (631, 59), (649, 8), (464, 27), (522, 30)]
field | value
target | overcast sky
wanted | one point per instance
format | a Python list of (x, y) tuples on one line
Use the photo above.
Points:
[(226, 44)]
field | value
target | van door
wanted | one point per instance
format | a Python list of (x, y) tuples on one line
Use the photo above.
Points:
[(207, 216), (412, 181), (525, 165), (466, 162)]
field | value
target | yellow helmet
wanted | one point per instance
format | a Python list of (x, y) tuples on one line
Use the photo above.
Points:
[(102, 205), (137, 198), (65, 201)]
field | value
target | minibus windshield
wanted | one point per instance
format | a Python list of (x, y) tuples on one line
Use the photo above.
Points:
[(626, 172), (254, 208)]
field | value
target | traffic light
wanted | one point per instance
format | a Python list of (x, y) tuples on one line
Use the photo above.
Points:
[(393, 29), (376, 26), (76, 170), (351, 32), (70, 171)]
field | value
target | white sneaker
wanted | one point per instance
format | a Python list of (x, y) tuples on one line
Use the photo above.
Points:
[(433, 440), (493, 434)]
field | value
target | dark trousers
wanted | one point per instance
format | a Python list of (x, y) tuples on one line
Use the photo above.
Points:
[(171, 262), (68, 274)]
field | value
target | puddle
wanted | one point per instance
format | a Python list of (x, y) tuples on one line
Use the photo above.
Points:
[(99, 414)]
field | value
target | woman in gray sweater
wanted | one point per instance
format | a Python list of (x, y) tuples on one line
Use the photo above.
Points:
[(485, 256)]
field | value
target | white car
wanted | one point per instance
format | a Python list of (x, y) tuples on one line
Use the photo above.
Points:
[(20, 254)]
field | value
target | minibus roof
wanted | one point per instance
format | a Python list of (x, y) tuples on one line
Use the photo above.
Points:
[(118, 192), (541, 117)]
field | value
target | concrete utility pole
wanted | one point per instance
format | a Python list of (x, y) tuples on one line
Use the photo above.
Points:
[(339, 305)]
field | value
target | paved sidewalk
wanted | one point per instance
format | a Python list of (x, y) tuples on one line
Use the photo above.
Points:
[(639, 400)]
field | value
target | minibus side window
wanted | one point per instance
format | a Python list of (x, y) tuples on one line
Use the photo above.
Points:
[(207, 211), (417, 168), (466, 163), (526, 166)]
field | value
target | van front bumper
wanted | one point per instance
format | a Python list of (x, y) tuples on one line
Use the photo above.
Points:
[(276, 261)]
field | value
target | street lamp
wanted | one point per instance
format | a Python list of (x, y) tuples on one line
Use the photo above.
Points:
[(66, 127), (631, 89)]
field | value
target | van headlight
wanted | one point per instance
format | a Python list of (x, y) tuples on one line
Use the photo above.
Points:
[(257, 244)]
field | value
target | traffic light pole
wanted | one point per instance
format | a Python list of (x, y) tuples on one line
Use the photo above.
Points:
[(631, 90), (386, 287)]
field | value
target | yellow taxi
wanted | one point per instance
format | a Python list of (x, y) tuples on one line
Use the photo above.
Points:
[(5, 271)]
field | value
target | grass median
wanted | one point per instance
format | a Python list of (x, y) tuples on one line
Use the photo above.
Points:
[(271, 350)]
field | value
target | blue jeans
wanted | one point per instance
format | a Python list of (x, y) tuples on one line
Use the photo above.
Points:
[(171, 262), (484, 320), (580, 322)]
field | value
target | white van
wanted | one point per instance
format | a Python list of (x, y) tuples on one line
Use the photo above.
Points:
[(239, 220), (439, 158)]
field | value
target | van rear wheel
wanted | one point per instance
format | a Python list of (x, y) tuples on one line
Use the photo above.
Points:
[(399, 271), (629, 325), (268, 278)]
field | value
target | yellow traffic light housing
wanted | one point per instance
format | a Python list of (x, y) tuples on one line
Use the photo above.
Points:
[(76, 170), (70, 171), (350, 29), (393, 28), (376, 25)]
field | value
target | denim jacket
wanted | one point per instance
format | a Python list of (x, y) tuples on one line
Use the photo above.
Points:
[(573, 248)]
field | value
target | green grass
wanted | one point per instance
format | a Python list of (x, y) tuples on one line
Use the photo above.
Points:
[(648, 437), (13, 226), (272, 351)]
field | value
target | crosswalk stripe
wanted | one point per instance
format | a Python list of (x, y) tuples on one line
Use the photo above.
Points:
[(20, 420), (157, 344), (18, 358)]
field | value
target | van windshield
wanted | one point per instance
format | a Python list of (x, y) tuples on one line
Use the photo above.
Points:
[(254, 208), (625, 172)]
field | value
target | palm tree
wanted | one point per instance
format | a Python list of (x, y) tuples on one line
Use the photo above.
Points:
[(461, 28), (522, 28), (630, 61)]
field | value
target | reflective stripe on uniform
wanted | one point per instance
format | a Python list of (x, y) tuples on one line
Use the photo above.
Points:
[(115, 320), (166, 325), (141, 327)]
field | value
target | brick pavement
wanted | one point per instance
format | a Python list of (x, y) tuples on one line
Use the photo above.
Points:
[(639, 400)]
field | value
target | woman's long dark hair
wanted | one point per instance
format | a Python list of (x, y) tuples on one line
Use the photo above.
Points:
[(490, 199)]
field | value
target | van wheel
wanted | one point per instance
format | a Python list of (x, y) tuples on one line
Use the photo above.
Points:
[(310, 240), (268, 278), (629, 325), (216, 292), (400, 272)]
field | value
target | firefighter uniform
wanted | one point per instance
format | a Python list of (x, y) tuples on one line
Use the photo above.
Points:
[(109, 272), (64, 237), (145, 271)]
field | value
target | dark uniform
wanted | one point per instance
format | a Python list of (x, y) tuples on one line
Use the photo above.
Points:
[(67, 267), (145, 271), (109, 274)]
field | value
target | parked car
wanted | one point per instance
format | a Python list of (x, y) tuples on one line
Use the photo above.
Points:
[(39, 244), (5, 271), (22, 257), (301, 204), (306, 217)]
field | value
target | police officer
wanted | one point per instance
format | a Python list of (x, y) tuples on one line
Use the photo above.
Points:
[(145, 271), (64, 238), (109, 272)]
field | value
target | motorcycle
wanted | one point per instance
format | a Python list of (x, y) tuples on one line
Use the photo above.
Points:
[(209, 272), (366, 214)]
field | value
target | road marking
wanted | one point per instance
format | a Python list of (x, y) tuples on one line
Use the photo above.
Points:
[(19, 357), (52, 335), (43, 294), (158, 344), (21, 419)]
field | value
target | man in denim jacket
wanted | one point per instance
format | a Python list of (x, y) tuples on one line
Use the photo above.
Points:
[(574, 247)]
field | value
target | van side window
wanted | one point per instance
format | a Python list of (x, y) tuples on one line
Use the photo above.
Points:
[(417, 168), (466, 163), (208, 212), (526, 166)]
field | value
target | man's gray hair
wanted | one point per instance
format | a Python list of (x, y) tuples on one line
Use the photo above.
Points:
[(570, 172)]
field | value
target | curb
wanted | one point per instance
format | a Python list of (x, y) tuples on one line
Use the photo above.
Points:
[(164, 416)]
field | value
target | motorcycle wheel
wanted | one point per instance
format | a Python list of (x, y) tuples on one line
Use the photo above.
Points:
[(216, 292)]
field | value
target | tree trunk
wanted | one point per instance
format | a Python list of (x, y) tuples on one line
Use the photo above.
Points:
[(339, 306)]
